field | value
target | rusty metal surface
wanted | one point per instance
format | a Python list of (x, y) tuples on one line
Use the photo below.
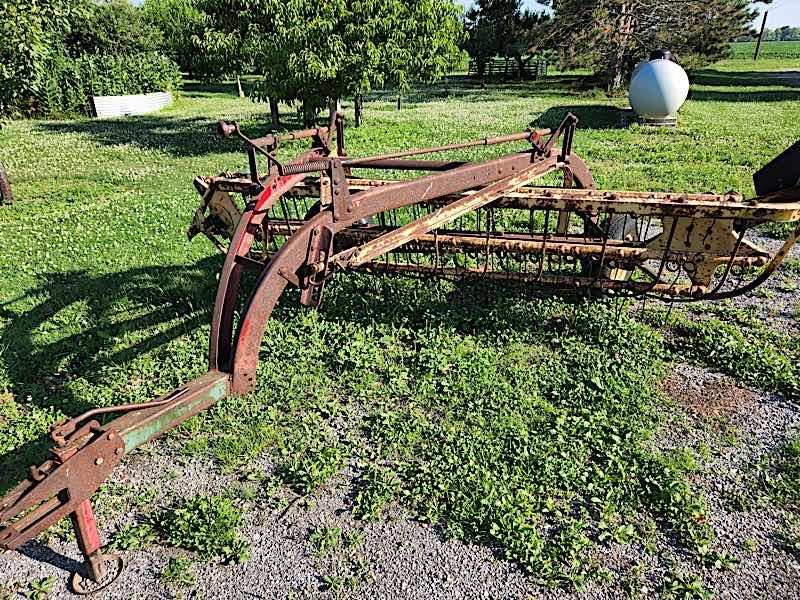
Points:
[(304, 222)]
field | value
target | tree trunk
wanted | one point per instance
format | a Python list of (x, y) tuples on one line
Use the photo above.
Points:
[(616, 71), (359, 108), (239, 87), (398, 101), (273, 111), (520, 67), (308, 114), (334, 106)]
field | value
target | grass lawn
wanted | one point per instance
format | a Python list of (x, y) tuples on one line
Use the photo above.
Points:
[(520, 421)]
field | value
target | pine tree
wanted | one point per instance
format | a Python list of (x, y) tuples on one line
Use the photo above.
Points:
[(610, 36)]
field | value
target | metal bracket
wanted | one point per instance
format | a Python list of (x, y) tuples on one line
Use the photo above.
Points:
[(63, 488), (315, 271), (340, 191)]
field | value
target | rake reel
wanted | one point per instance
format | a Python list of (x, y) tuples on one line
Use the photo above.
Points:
[(532, 217)]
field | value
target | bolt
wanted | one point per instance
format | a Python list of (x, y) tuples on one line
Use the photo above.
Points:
[(111, 435), (118, 451), (98, 460)]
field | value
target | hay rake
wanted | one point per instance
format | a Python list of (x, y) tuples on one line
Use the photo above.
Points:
[(300, 223)]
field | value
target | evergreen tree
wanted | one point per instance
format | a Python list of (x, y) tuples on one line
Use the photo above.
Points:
[(610, 36)]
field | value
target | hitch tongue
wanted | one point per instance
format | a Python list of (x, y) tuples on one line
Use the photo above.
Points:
[(62, 486)]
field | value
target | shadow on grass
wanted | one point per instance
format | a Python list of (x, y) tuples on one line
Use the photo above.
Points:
[(166, 303), (745, 81), (746, 78), (468, 89), (41, 372), (590, 116), (177, 136), (745, 96)]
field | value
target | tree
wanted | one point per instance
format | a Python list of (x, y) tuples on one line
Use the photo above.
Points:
[(610, 36), (180, 23), (112, 27), (311, 53), (502, 28), (32, 34)]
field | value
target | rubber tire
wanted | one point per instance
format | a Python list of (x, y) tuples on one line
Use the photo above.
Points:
[(621, 227)]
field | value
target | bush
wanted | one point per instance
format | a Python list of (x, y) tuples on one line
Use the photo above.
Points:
[(72, 81)]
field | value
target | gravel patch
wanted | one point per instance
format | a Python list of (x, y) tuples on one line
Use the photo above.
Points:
[(408, 559)]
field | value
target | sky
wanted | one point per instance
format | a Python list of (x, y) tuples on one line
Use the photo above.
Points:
[(781, 12)]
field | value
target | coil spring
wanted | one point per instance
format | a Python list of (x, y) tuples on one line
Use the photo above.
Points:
[(306, 167)]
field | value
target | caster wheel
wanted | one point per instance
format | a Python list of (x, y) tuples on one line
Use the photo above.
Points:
[(84, 585)]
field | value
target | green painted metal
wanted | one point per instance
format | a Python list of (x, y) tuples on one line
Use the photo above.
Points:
[(183, 409)]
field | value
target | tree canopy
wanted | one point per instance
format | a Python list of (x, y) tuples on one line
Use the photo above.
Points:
[(112, 27), (503, 28), (310, 52)]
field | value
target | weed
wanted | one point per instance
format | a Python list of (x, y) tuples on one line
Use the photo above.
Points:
[(684, 586), (207, 525), (782, 478), (634, 584), (324, 538), (134, 536), (353, 538), (723, 560), (376, 487), (179, 572), (334, 583), (750, 545), (306, 471), (788, 536), (40, 589), (743, 348)]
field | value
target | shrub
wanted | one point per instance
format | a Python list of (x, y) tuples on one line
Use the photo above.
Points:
[(72, 81), (67, 83)]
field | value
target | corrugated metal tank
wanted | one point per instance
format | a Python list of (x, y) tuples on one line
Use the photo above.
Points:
[(659, 87), (138, 104)]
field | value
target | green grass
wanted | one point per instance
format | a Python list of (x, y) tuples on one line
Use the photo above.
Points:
[(179, 572), (736, 342), (518, 420), (746, 50)]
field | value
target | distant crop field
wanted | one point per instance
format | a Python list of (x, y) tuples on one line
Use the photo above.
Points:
[(768, 49)]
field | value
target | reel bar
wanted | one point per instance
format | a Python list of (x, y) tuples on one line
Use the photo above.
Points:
[(452, 211), (553, 281)]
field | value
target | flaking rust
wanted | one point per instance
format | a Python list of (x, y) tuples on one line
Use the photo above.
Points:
[(532, 217)]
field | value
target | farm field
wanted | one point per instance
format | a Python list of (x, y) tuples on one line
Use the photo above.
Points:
[(745, 50), (410, 439)]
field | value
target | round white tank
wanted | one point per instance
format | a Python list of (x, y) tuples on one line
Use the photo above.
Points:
[(658, 89)]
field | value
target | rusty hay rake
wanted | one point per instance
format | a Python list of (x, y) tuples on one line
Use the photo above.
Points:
[(531, 217)]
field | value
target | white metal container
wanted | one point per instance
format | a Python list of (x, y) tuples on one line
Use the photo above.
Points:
[(658, 89)]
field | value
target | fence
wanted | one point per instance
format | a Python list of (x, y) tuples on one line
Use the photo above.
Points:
[(508, 68)]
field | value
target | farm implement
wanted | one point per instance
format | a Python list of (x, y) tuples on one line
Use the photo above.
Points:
[(532, 217)]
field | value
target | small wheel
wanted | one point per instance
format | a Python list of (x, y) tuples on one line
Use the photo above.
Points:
[(624, 228), (85, 585), (5, 187), (619, 227)]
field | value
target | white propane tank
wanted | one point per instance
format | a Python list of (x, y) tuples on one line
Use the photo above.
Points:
[(659, 87)]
